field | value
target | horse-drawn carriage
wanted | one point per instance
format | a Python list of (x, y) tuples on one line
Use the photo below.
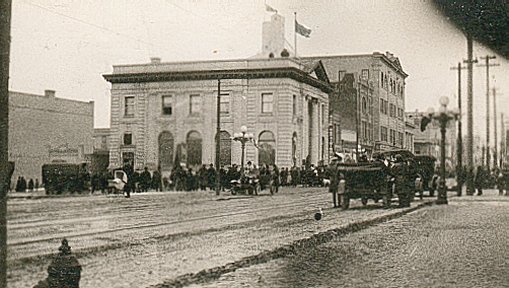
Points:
[(117, 184)]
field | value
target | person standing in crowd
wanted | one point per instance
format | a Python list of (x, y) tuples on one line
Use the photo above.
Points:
[(479, 180), (294, 173), (501, 183), (334, 179), (203, 177), (400, 172), (31, 185), (156, 180), (284, 176), (211, 172), (145, 179), (275, 177), (18, 184)]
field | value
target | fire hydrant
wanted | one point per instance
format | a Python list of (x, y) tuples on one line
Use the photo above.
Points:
[(64, 270)]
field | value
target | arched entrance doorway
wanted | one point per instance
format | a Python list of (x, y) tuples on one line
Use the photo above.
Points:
[(266, 148), (194, 148), (166, 143)]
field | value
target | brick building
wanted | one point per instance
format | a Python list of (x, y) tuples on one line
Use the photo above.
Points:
[(379, 82), (45, 129), (166, 112)]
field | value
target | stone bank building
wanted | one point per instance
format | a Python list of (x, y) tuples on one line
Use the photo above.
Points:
[(165, 113)]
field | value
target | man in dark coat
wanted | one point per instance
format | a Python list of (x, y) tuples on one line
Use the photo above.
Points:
[(156, 180), (479, 180), (400, 171), (332, 172), (211, 172), (145, 179)]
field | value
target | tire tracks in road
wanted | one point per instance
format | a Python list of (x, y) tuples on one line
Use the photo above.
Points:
[(211, 274), (109, 234)]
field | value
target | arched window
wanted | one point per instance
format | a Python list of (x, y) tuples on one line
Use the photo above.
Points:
[(226, 149), (194, 148), (266, 149), (166, 150)]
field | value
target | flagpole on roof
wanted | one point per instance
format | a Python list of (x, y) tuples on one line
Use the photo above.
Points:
[(295, 33)]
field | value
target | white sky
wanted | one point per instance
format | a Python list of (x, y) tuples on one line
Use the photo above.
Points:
[(67, 45)]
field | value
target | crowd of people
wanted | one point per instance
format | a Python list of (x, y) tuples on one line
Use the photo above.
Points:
[(22, 185)]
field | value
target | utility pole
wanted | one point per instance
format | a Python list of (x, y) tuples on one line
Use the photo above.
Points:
[(470, 118), (488, 65), (495, 150), (459, 169), (503, 143), (5, 174), (218, 138)]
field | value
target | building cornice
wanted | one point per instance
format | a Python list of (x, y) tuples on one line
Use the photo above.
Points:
[(287, 72)]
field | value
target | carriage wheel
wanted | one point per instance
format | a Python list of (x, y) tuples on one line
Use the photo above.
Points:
[(364, 201)]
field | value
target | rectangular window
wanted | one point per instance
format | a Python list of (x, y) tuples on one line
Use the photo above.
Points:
[(392, 110), (194, 104), (128, 139), (225, 104), (267, 101), (400, 139), (365, 74), (294, 105), (129, 106), (383, 133), (392, 137), (167, 105), (384, 106), (382, 79)]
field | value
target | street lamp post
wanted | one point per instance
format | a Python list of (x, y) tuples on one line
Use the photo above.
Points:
[(242, 137), (443, 116)]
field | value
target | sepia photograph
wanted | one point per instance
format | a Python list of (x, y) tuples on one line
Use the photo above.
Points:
[(254, 143)]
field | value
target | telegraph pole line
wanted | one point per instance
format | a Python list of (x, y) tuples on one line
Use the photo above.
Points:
[(503, 143), (459, 168), (218, 138), (495, 150), (470, 118), (487, 58), (5, 174)]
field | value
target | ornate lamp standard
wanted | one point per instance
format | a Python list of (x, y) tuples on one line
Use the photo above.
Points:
[(443, 116), (243, 137)]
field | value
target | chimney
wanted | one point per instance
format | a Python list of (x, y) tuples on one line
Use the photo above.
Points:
[(49, 93), (155, 60)]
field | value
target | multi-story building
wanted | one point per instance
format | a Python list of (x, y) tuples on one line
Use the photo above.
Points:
[(379, 82), (163, 113), (45, 129), (427, 142)]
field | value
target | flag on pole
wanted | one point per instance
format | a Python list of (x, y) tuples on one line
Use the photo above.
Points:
[(302, 30), (270, 9)]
